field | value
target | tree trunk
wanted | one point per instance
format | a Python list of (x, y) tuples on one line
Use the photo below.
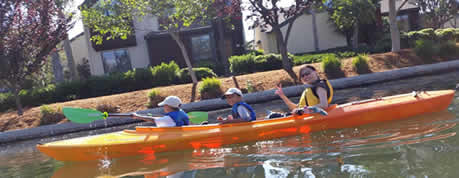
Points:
[(57, 68), (221, 46), (70, 60), (176, 37), (355, 36), (18, 100), (287, 64), (394, 32)]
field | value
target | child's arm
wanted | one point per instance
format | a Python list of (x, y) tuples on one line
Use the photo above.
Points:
[(284, 98)]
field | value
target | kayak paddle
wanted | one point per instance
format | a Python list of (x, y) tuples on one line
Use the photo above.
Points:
[(80, 115)]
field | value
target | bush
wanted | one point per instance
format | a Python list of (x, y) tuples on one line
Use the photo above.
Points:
[(311, 58), (268, 62), (426, 34), (256, 52), (201, 73), (84, 70), (165, 74), (242, 64), (154, 98), (6, 101), (254, 87), (210, 88), (139, 78), (360, 64), (50, 116), (445, 35), (448, 48), (426, 49), (331, 66), (108, 108)]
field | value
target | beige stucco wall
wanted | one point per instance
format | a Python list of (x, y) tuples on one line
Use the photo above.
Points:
[(453, 23), (267, 41), (301, 39), (328, 37), (138, 54), (79, 49)]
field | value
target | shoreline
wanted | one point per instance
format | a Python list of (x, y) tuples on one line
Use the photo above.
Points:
[(251, 98)]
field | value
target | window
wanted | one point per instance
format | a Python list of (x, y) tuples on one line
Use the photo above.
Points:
[(201, 49), (403, 23), (116, 61)]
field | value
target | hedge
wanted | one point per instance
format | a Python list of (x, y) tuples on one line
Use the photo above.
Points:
[(136, 79)]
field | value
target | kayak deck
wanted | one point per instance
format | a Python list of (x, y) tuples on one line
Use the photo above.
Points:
[(150, 140)]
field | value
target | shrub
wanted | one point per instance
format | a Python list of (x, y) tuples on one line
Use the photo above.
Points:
[(242, 64), (360, 64), (50, 116), (206, 63), (254, 87), (425, 34), (331, 66), (256, 52), (84, 69), (267, 62), (426, 49), (448, 48), (6, 101), (107, 108), (445, 35), (310, 58), (165, 74), (139, 78), (201, 73), (210, 88), (154, 98)]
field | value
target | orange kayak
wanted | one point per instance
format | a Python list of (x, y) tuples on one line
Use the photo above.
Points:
[(151, 140)]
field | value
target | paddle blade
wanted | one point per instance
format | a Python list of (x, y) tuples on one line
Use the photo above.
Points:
[(197, 117), (80, 115)]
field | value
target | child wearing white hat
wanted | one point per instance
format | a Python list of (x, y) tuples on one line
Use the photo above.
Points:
[(174, 115), (241, 111)]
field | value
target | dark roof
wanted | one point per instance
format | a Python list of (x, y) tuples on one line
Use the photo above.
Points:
[(158, 34), (75, 37)]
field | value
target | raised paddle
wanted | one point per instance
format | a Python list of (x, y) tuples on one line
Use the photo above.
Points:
[(80, 115)]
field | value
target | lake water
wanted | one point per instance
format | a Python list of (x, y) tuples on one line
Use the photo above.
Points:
[(422, 146)]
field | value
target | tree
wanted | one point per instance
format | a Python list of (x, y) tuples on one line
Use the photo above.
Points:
[(175, 15), (437, 12), (394, 31), (348, 15), (267, 14), (30, 30)]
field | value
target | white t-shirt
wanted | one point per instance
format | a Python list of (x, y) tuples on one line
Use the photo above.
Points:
[(165, 121)]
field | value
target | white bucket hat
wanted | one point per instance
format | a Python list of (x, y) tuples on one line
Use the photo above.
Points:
[(231, 91), (171, 101)]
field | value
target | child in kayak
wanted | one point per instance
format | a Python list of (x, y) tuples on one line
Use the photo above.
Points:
[(319, 95), (241, 111), (174, 115)]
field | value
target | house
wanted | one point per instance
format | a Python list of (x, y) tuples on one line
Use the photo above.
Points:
[(302, 38), (408, 18), (149, 46)]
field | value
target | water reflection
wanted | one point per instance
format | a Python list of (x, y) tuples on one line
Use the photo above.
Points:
[(333, 152)]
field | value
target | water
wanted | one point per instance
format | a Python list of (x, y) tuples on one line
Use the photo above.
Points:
[(422, 146)]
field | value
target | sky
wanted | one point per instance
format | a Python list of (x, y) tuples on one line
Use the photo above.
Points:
[(78, 27)]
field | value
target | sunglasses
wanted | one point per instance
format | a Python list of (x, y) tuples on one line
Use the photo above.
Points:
[(305, 74)]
